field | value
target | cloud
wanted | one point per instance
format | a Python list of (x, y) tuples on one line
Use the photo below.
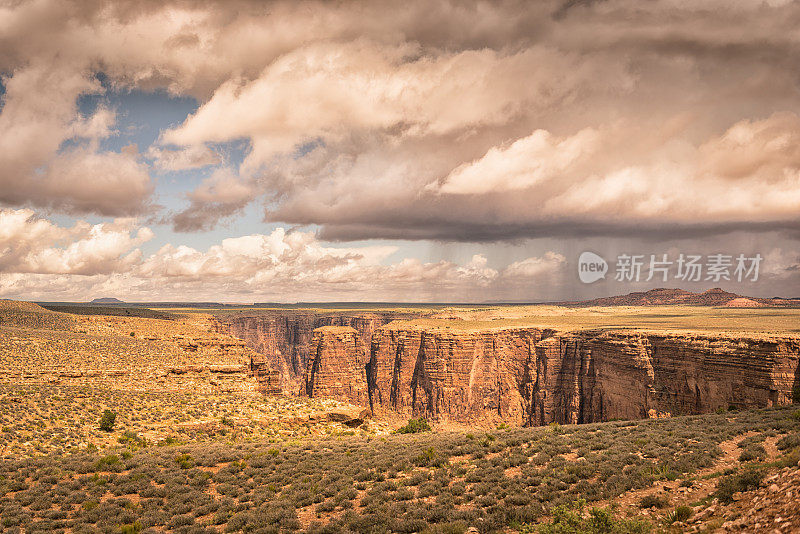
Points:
[(38, 117), (767, 149), (42, 259), (221, 195), (330, 90), (108, 183), (781, 264), (524, 164), (618, 179), (32, 245), (535, 266), (441, 120), (181, 159)]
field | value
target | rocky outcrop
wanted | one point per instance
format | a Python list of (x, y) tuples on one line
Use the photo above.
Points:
[(283, 338), (535, 376), (337, 365)]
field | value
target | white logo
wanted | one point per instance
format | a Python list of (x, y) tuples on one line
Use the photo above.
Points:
[(591, 267)]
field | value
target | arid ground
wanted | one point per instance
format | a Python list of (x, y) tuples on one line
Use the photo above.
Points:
[(198, 445)]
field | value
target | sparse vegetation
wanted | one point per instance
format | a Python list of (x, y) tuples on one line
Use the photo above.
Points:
[(184, 455), (55, 419), (571, 519), (679, 514), (654, 501), (425, 482), (107, 421), (414, 426), (745, 480)]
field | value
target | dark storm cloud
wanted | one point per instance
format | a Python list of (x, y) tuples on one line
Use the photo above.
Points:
[(445, 230), (434, 120)]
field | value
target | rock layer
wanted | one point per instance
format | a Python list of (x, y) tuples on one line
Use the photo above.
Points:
[(283, 338), (337, 365), (535, 376)]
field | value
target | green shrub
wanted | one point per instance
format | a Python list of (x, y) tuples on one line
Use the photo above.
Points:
[(789, 442), (130, 528), (180, 520), (185, 461), (106, 461), (326, 506), (429, 458), (458, 527), (132, 438), (414, 426), (753, 452), (650, 501), (570, 519), (744, 481), (679, 514), (107, 421)]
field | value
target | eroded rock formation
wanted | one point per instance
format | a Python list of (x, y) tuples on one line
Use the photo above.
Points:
[(283, 338), (535, 376), (337, 365)]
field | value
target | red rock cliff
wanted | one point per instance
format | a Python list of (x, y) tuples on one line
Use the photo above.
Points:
[(283, 338), (535, 376), (337, 365), (522, 375)]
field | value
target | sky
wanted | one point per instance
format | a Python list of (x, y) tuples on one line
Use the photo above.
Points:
[(253, 151)]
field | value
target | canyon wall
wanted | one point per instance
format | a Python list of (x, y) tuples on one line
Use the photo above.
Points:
[(337, 365), (283, 339), (535, 376)]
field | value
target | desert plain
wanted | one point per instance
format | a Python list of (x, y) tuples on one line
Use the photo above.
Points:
[(392, 418)]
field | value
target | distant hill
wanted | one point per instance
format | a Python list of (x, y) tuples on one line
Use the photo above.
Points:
[(744, 302), (115, 310), (21, 314), (107, 300), (20, 306), (673, 296)]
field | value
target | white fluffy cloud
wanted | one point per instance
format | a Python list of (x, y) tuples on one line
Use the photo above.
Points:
[(525, 163), (39, 114), (438, 119), (44, 260), (32, 245), (533, 267), (181, 159), (750, 173), (331, 90)]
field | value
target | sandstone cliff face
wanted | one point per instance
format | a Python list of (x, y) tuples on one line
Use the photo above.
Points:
[(534, 376), (337, 365), (283, 339)]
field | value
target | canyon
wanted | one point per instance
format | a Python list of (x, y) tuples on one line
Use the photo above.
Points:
[(283, 340), (456, 370)]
